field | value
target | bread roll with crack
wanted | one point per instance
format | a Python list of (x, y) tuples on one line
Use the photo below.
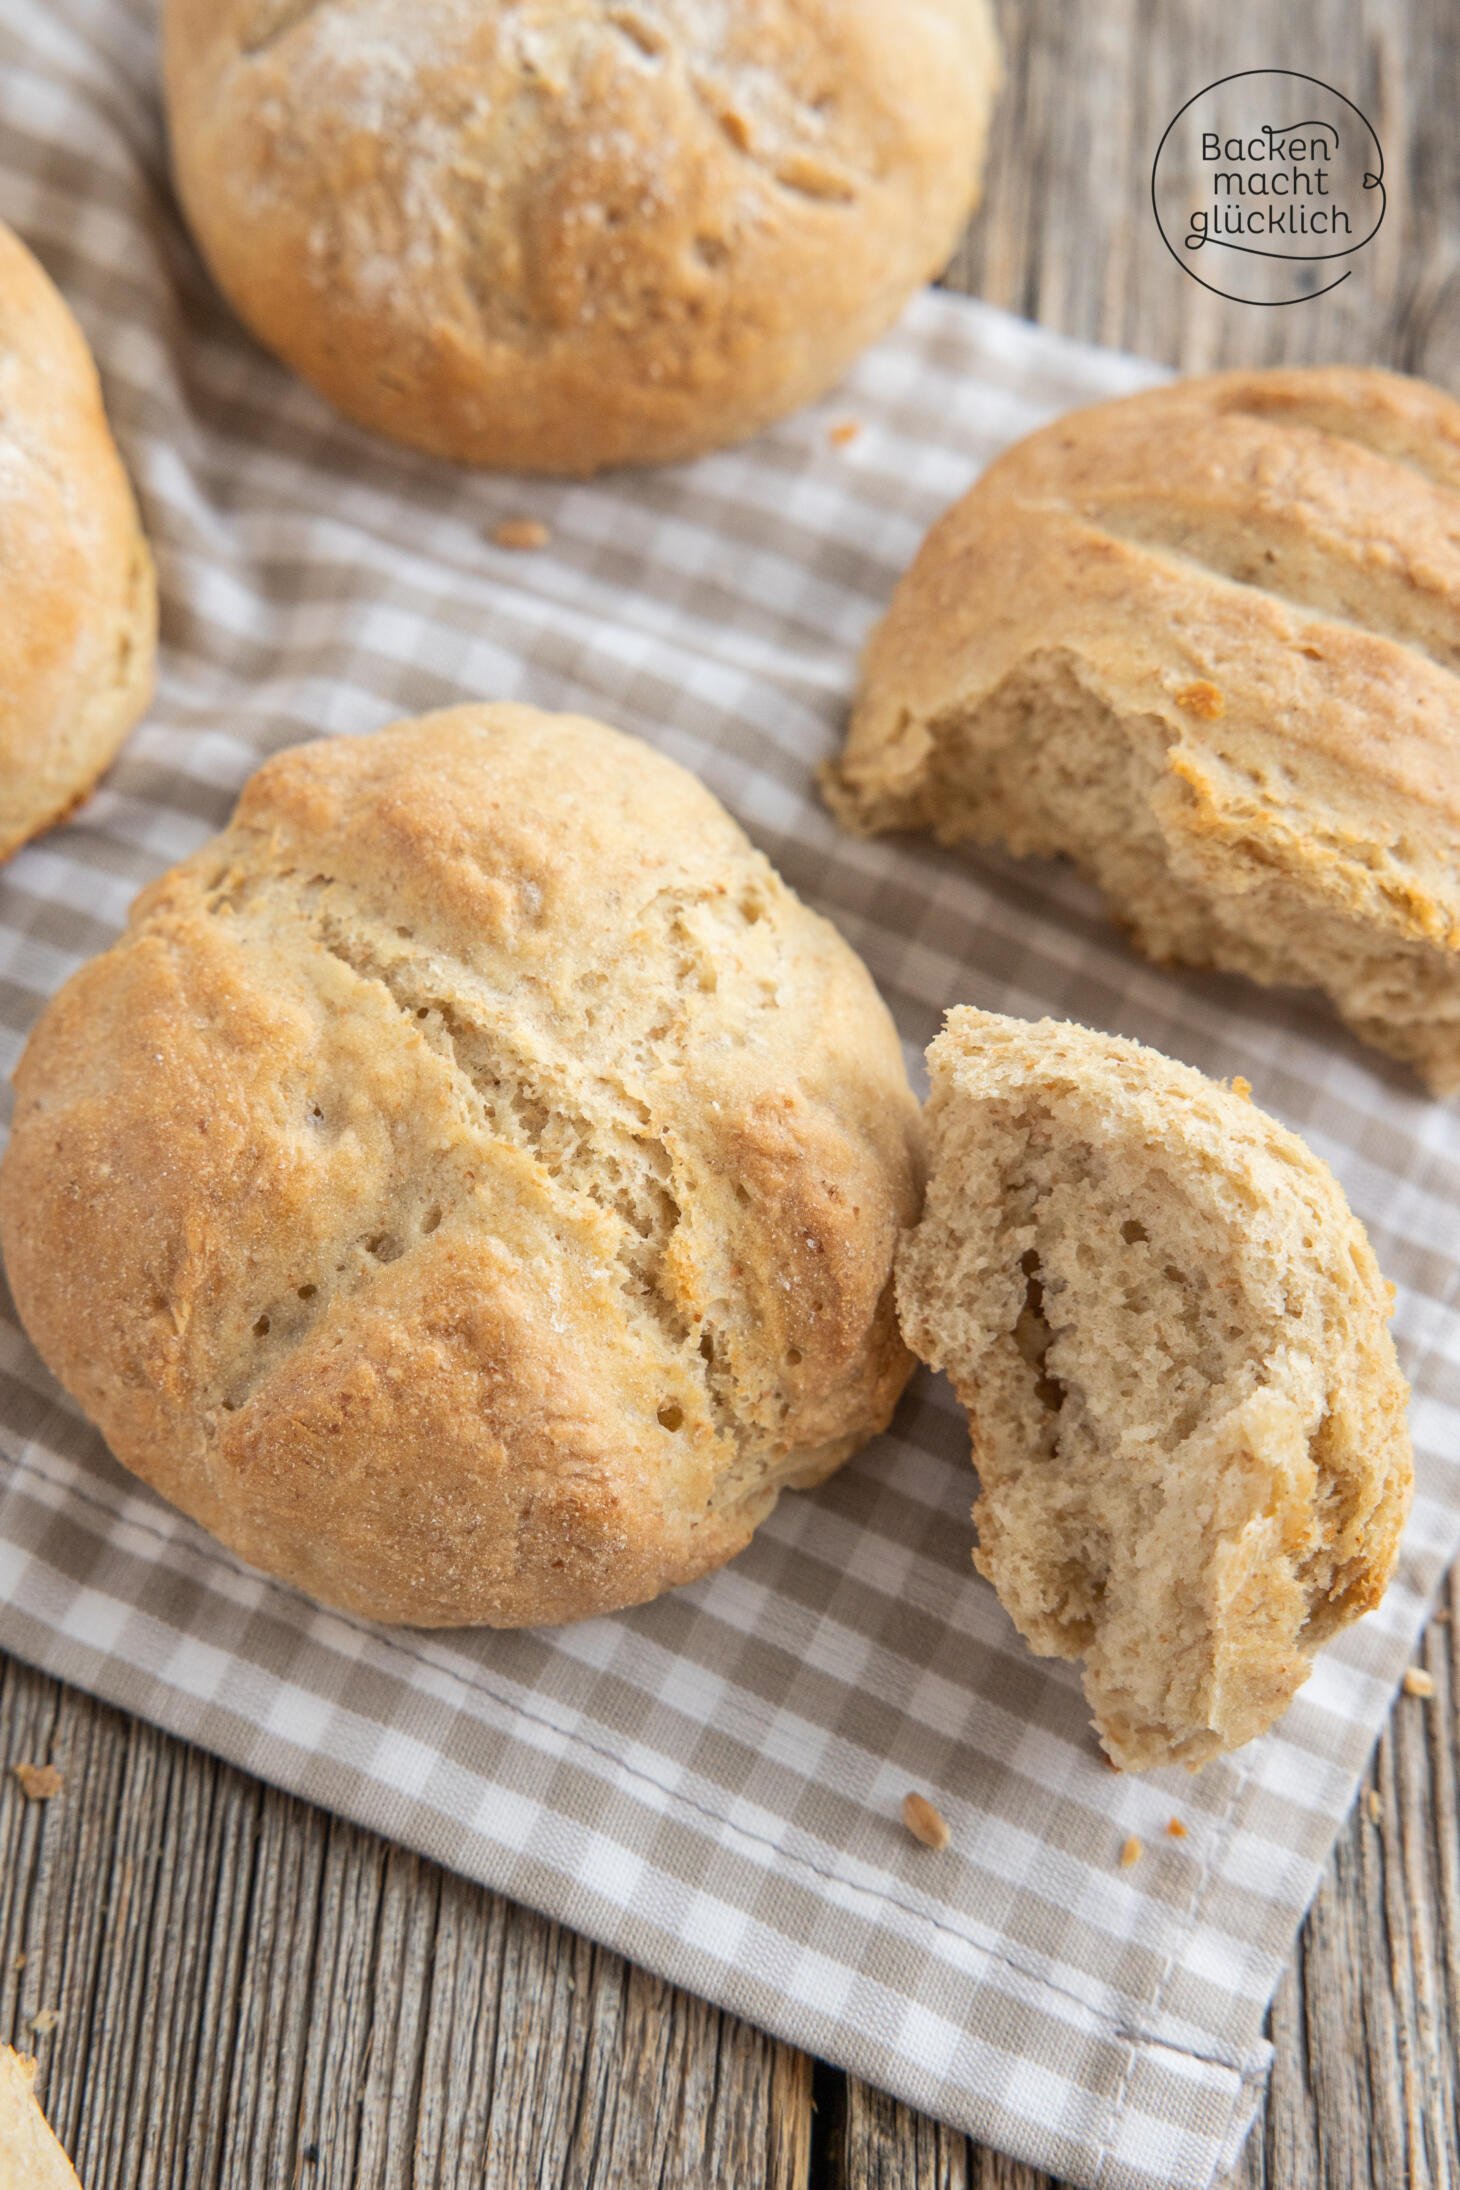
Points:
[(470, 1186), (31, 2158), (552, 237), (1172, 1340), (78, 605), (1206, 643)]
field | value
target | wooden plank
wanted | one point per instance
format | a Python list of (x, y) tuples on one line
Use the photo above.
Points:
[(251, 1992)]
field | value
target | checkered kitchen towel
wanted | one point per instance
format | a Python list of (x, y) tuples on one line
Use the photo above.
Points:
[(710, 1784)]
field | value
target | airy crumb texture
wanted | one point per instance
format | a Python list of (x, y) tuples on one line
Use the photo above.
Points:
[(1205, 642), (1172, 1340), (38, 1782), (470, 1186), (550, 236), (78, 602), (30, 2157), (924, 1821)]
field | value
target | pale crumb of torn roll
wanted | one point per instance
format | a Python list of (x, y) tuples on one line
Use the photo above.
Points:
[(1205, 642), (1171, 1336), (471, 1184)]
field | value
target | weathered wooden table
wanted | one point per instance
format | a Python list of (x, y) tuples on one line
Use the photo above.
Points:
[(252, 1995)]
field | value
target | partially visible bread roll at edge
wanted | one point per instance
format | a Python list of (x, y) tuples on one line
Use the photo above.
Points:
[(30, 2156), (1172, 1340), (78, 601)]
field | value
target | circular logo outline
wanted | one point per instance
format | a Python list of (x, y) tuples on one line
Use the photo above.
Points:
[(1274, 304)]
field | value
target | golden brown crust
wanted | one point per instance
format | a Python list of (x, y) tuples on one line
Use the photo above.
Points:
[(552, 237), (470, 1186), (78, 611), (1235, 604)]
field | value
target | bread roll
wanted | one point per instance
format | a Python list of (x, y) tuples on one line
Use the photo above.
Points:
[(1206, 642), (470, 1185), (78, 607), (552, 237), (1172, 1340)]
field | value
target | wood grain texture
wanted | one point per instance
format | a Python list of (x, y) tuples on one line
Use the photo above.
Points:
[(252, 1994)]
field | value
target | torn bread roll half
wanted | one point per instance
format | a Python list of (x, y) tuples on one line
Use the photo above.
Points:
[(1205, 642), (1172, 1340)]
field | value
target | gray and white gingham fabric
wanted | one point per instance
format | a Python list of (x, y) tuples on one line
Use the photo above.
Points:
[(710, 1784)]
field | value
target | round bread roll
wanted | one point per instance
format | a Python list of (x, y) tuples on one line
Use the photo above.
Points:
[(1206, 642), (553, 237), (1172, 1339), (470, 1186), (78, 604)]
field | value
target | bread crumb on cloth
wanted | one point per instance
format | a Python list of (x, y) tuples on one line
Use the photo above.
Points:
[(928, 1826), (521, 533), (1131, 1853)]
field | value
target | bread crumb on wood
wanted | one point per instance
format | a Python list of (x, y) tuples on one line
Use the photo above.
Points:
[(521, 533), (843, 433), (927, 1825), (1442, 1617), (1372, 1803), (1201, 699), (1175, 1828), (1417, 1682), (38, 1782), (19, 1963), (1131, 1853), (44, 2021)]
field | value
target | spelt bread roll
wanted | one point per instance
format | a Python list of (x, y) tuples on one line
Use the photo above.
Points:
[(1205, 642), (30, 2156), (553, 237), (1172, 1340), (470, 1186), (78, 607)]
